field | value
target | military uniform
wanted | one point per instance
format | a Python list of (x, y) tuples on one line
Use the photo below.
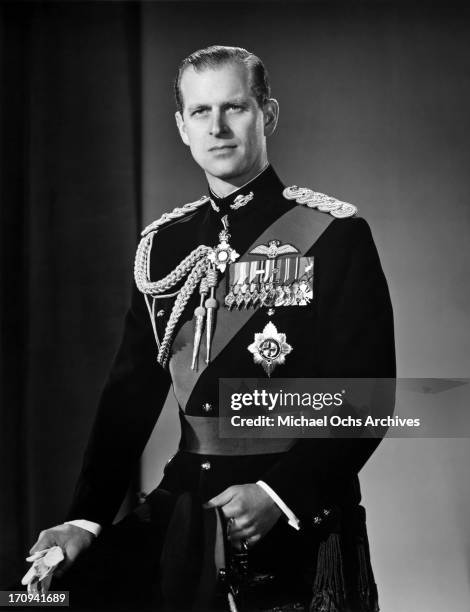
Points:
[(345, 331)]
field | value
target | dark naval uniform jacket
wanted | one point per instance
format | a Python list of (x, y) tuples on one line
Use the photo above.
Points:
[(346, 331)]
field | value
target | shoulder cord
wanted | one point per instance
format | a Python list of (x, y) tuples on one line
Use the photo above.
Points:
[(155, 290), (184, 294), (142, 268)]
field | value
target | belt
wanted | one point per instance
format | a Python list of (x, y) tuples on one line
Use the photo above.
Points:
[(200, 435)]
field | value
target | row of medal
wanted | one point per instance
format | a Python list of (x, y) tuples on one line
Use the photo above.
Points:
[(283, 282)]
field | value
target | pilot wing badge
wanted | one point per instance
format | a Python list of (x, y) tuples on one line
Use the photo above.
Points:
[(273, 249)]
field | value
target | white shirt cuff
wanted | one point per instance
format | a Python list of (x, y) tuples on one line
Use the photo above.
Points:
[(94, 528), (292, 519)]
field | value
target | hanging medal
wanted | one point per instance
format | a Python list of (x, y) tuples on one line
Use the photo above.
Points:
[(223, 254)]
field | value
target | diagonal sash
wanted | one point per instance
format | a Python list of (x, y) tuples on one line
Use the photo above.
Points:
[(299, 226)]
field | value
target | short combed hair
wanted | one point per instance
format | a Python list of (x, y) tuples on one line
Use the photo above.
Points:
[(217, 55)]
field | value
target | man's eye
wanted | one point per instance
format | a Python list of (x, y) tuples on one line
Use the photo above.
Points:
[(234, 107), (199, 111)]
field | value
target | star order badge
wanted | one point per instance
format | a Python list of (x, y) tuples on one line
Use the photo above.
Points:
[(270, 348), (223, 254)]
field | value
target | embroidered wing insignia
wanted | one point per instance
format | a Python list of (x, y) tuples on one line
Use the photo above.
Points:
[(273, 249)]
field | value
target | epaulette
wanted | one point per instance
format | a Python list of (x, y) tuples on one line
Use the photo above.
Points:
[(321, 201), (176, 213)]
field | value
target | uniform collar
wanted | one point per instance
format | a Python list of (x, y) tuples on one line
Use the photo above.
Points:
[(262, 187)]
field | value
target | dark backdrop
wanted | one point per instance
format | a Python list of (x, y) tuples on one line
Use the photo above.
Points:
[(374, 109), (70, 211)]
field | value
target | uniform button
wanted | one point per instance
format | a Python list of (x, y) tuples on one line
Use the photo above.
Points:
[(160, 313), (207, 407), (316, 520), (206, 465), (326, 512)]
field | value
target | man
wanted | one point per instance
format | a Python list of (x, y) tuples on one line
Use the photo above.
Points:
[(210, 303)]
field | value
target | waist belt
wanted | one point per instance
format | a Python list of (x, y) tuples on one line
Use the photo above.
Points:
[(200, 435)]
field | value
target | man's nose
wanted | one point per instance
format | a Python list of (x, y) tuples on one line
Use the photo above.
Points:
[(218, 124)]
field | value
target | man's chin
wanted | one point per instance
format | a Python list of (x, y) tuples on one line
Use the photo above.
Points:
[(225, 170)]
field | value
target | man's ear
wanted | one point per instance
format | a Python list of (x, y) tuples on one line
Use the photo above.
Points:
[(271, 116), (181, 127)]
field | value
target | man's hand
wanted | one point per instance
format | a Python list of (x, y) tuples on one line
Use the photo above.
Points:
[(252, 511), (73, 541)]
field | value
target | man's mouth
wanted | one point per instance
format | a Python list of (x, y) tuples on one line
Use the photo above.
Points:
[(222, 147)]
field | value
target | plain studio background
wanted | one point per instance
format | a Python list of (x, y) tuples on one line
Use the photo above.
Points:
[(374, 110)]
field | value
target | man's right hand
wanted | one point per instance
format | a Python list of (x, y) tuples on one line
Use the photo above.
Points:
[(72, 539)]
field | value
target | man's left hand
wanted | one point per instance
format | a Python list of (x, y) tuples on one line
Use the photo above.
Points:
[(252, 511)]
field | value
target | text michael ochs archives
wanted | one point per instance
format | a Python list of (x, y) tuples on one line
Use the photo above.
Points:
[(334, 420)]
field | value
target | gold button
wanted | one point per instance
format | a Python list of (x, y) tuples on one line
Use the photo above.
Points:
[(160, 313), (316, 520), (207, 407), (206, 465)]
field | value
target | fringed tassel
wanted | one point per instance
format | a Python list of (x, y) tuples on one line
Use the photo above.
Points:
[(329, 588), (367, 588)]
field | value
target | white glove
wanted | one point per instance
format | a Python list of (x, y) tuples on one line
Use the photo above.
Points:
[(38, 577)]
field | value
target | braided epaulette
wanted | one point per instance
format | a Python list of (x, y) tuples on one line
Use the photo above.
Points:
[(321, 201), (176, 213)]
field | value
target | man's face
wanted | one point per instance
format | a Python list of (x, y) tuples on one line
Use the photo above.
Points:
[(222, 122)]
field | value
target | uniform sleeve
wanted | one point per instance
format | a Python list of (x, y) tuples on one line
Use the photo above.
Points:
[(130, 404), (354, 338)]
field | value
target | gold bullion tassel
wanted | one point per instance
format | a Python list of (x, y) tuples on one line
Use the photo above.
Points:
[(211, 306), (199, 313)]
